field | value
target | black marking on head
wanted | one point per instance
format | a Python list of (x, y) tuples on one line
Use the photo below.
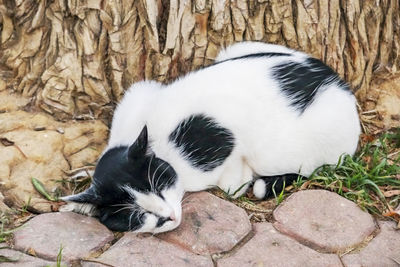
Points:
[(120, 218), (300, 81), (120, 168), (161, 221), (205, 143)]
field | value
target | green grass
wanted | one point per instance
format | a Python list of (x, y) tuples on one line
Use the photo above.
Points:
[(59, 258), (25, 207), (370, 178), (279, 198), (5, 235)]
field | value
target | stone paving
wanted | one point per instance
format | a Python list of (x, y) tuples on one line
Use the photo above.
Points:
[(310, 228)]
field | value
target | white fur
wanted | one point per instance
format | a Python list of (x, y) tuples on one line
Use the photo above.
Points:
[(271, 137), (150, 202), (81, 208), (259, 188)]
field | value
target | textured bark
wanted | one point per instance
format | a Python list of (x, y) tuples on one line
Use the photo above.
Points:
[(75, 58)]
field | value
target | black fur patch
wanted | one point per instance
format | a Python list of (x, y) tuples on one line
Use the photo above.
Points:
[(118, 218), (205, 143), (301, 81), (161, 221)]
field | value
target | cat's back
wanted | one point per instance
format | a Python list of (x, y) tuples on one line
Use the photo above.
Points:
[(281, 108)]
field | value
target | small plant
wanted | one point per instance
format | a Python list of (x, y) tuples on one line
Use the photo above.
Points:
[(278, 198), (25, 207), (40, 188), (230, 196), (59, 258), (4, 236)]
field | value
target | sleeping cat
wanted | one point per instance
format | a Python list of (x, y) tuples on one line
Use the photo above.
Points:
[(261, 112)]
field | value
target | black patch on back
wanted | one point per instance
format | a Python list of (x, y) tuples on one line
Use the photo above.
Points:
[(205, 143), (300, 81)]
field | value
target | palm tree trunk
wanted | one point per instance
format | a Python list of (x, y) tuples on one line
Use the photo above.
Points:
[(75, 58)]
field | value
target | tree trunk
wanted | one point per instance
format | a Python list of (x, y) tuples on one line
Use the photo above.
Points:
[(74, 59)]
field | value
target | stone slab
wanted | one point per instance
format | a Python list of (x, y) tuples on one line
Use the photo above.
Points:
[(383, 250), (23, 260), (45, 234), (209, 225), (323, 220), (268, 247), (147, 250)]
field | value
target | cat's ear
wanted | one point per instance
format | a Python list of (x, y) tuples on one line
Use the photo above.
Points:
[(138, 149), (87, 196)]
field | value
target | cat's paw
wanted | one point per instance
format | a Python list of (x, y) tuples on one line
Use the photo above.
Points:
[(260, 189), (81, 208)]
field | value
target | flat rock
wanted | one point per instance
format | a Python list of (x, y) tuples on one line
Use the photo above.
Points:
[(78, 235), (35, 145), (209, 225), (23, 260), (147, 250), (323, 220), (383, 250), (268, 247)]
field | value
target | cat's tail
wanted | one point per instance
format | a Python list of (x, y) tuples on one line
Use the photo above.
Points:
[(265, 186)]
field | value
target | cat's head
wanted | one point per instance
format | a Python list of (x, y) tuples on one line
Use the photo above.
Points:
[(133, 190)]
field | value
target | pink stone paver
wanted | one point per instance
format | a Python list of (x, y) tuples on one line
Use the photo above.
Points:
[(270, 248), (138, 250), (23, 260), (78, 235), (209, 225), (323, 220), (383, 250)]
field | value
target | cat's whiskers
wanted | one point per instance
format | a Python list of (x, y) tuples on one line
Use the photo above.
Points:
[(153, 176), (130, 221), (121, 209), (148, 174), (158, 178)]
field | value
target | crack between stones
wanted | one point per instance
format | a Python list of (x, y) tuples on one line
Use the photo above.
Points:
[(98, 252), (341, 261), (359, 246), (340, 253), (216, 256)]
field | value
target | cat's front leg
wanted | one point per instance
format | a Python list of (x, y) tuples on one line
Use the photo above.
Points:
[(235, 178)]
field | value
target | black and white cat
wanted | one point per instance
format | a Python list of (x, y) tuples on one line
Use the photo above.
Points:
[(260, 111)]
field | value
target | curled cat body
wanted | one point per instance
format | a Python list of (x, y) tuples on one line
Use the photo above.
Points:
[(259, 112)]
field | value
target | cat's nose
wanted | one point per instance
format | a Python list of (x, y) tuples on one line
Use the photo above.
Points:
[(172, 216)]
